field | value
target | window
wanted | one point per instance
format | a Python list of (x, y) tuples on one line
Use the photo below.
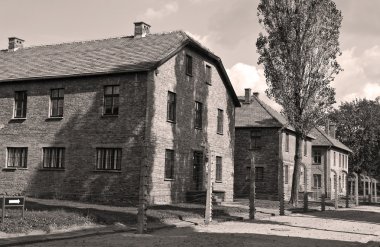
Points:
[(208, 74), (111, 100), (20, 104), (340, 160), (17, 157), (198, 115), (259, 176), (317, 180), (220, 122), (56, 102), (305, 147), (317, 157), (171, 108), (169, 164), (334, 158), (255, 139), (287, 142), (189, 65), (54, 158), (218, 169), (286, 174), (108, 158)]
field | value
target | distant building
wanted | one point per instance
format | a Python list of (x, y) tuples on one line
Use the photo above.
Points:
[(258, 130), (330, 163), (79, 120)]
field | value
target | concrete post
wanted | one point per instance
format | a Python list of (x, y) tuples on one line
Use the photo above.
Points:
[(351, 189), (305, 201), (375, 187), (336, 189), (369, 190), (347, 197), (208, 212), (364, 191), (356, 189), (252, 188), (323, 202)]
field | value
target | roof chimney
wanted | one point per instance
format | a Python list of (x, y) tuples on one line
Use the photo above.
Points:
[(141, 29), (332, 130), (247, 96), (15, 43), (256, 94)]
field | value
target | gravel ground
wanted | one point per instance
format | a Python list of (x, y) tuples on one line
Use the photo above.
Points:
[(358, 226)]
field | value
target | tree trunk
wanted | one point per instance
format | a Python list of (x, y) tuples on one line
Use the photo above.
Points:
[(252, 187), (296, 177)]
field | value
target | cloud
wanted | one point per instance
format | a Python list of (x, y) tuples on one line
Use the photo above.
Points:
[(166, 10), (361, 76), (245, 76)]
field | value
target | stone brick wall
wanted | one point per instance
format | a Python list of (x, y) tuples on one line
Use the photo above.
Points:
[(266, 156), (181, 136), (82, 129)]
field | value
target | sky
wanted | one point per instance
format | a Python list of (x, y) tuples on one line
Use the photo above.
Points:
[(229, 28)]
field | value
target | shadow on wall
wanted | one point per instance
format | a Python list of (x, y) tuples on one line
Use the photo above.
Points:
[(84, 129), (187, 139)]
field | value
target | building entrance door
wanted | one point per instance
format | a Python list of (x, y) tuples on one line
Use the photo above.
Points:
[(198, 170)]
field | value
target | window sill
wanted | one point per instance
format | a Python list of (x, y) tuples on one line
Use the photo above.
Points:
[(218, 181), (169, 179), (110, 116), (51, 169), (208, 83), (220, 133), (108, 171), (17, 120), (197, 128), (188, 74), (170, 121), (317, 164), (54, 118), (13, 168)]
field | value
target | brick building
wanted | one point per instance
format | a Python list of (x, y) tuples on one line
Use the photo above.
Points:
[(79, 120), (266, 133), (330, 162)]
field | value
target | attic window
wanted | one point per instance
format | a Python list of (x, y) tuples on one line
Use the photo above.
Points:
[(189, 65), (208, 74)]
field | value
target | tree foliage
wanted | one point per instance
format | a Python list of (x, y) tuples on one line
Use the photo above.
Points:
[(298, 51), (358, 127)]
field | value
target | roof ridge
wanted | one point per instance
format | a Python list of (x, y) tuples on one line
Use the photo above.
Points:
[(92, 40), (329, 138)]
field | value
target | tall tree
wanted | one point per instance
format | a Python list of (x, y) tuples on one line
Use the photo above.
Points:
[(299, 52), (358, 127)]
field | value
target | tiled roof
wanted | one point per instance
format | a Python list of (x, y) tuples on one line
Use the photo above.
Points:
[(124, 54), (89, 57), (258, 114), (323, 139)]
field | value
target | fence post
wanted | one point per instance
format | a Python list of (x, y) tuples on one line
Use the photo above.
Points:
[(305, 201), (143, 195), (347, 194), (323, 198), (252, 188), (208, 212), (3, 210)]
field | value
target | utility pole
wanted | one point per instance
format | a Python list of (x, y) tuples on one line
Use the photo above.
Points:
[(252, 187)]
